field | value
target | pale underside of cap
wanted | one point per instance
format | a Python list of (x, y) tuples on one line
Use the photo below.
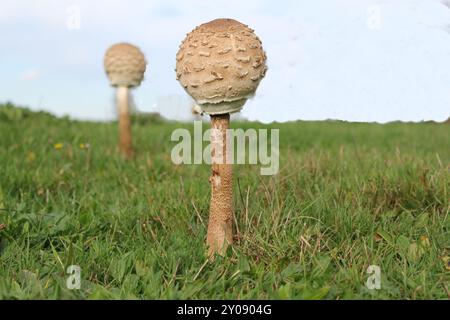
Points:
[(220, 64), (222, 107), (125, 65)]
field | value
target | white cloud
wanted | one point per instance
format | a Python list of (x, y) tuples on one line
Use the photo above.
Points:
[(31, 75)]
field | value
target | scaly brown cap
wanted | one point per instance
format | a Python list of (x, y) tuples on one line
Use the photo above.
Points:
[(220, 64), (124, 65)]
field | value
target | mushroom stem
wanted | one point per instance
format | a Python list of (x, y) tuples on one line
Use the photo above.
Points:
[(126, 144), (220, 228)]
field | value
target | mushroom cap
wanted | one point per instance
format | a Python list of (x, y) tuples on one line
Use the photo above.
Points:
[(220, 64), (124, 65)]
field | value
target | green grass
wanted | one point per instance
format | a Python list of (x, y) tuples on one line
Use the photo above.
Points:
[(347, 196)]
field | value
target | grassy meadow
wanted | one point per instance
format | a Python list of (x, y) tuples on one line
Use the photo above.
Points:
[(347, 196)]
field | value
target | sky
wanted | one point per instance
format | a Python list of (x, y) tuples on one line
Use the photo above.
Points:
[(356, 60)]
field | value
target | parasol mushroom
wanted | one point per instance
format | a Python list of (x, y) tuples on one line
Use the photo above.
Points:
[(220, 64), (125, 67)]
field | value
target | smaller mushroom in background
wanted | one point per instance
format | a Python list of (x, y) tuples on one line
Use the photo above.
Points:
[(220, 64), (125, 66)]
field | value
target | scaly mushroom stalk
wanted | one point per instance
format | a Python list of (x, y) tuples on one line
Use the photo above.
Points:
[(220, 227), (125, 67), (220, 64), (125, 140)]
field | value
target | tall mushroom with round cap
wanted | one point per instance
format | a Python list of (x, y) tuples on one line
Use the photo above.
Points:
[(220, 64), (125, 67)]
